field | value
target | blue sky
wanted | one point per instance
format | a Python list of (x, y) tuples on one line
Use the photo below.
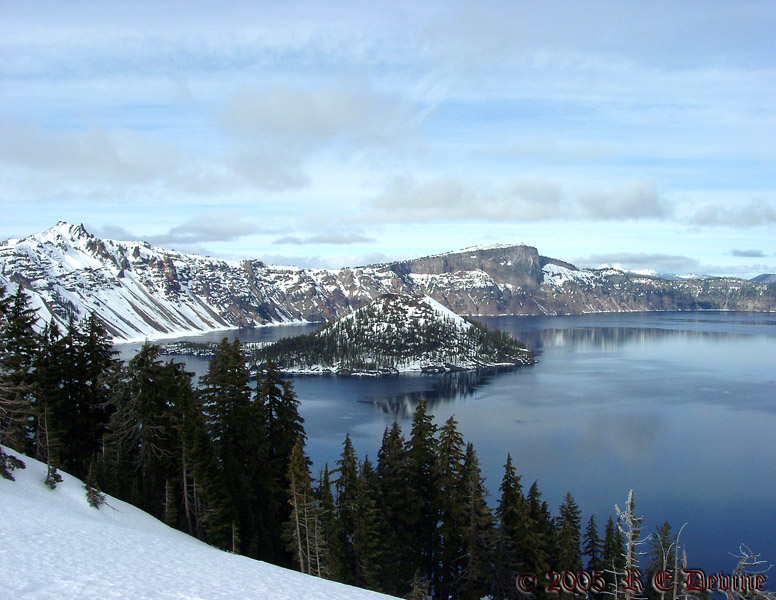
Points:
[(332, 134)]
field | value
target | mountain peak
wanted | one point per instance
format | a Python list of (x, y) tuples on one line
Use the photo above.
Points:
[(66, 230)]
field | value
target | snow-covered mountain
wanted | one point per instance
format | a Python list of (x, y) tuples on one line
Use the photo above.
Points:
[(139, 291), (396, 333), (53, 545)]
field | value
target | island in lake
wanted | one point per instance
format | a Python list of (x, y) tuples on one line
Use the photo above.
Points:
[(392, 334)]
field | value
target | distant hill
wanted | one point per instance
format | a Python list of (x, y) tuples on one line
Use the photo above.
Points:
[(142, 292), (765, 278), (396, 333)]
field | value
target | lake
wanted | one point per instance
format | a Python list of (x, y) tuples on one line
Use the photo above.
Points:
[(680, 407)]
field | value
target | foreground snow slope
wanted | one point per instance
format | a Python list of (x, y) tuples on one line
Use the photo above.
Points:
[(54, 545)]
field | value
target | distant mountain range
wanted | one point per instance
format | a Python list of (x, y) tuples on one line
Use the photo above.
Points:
[(142, 292)]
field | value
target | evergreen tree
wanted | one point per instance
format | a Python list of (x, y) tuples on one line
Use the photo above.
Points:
[(660, 556), (515, 520), (538, 557), (370, 531), (283, 427), (327, 520), (613, 555), (344, 561), (422, 516), (504, 566), (478, 531), (145, 431), (200, 477), (301, 526), (568, 536), (450, 508), (237, 428), (18, 343), (397, 500), (75, 376), (591, 546)]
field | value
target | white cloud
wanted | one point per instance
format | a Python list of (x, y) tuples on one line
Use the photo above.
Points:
[(748, 253), (662, 263), (518, 200), (635, 200), (336, 238), (752, 214)]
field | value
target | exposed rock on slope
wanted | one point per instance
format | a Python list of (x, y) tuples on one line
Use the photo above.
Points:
[(139, 291)]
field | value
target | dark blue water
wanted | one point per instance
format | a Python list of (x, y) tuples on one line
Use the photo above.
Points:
[(680, 407)]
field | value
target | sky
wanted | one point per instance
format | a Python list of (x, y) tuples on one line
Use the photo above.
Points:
[(640, 134)]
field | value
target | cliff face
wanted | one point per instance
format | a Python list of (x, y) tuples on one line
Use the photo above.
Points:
[(143, 292), (514, 265)]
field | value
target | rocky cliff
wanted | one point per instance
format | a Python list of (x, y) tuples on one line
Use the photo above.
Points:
[(139, 291)]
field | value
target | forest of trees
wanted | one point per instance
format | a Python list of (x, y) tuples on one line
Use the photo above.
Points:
[(226, 462)]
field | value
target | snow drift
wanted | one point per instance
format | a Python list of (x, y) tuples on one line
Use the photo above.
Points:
[(54, 545)]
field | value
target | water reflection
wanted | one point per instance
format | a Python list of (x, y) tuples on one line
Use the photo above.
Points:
[(611, 338), (446, 388), (678, 406)]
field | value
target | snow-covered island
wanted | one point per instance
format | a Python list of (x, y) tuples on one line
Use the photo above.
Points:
[(396, 333)]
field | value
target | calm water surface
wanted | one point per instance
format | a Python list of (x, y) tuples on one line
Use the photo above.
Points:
[(680, 407)]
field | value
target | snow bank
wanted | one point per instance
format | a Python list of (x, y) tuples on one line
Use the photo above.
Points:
[(53, 545)]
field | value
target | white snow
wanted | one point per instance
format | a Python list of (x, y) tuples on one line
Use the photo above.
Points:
[(53, 545), (642, 272), (557, 275)]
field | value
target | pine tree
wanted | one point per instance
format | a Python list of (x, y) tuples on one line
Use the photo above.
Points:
[(237, 428), (75, 374), (450, 508), (504, 566), (613, 556), (370, 530), (422, 516), (568, 536), (18, 343), (515, 520), (478, 530), (397, 499), (94, 496), (327, 521), (300, 527), (538, 557), (661, 556), (344, 561), (145, 430), (283, 426), (591, 546)]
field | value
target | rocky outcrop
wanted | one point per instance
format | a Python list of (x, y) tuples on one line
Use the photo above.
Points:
[(139, 292)]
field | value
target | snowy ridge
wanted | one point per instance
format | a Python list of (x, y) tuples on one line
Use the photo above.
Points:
[(55, 546), (141, 292)]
